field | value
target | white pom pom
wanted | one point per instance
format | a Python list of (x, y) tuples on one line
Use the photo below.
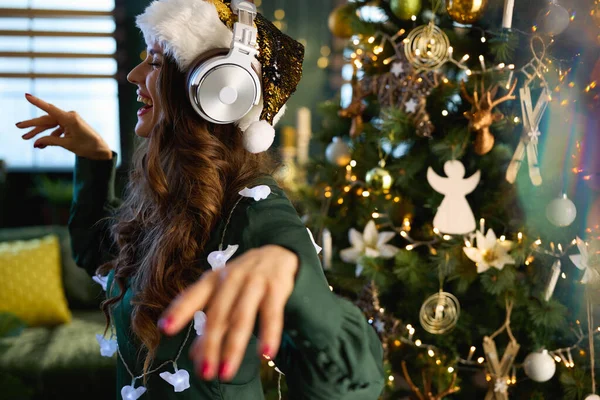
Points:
[(259, 137)]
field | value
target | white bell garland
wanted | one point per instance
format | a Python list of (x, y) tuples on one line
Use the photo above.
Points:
[(218, 259), (101, 280), (257, 193), (108, 347), (180, 378), (199, 322), (130, 392)]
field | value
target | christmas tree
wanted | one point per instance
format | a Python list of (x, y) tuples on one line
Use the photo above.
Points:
[(456, 198)]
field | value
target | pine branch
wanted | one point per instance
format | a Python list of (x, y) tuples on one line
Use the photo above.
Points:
[(504, 47), (396, 125), (452, 146), (409, 268), (575, 383), (497, 282), (548, 315)]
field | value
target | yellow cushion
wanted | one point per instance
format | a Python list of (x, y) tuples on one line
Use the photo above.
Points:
[(31, 283)]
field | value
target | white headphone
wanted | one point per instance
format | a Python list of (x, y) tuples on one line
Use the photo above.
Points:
[(223, 88)]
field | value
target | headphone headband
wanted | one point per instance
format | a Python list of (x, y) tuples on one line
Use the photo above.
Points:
[(244, 32)]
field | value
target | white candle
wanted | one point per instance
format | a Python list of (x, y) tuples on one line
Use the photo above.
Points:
[(509, 82), (507, 17), (471, 352), (327, 248), (303, 123), (553, 280)]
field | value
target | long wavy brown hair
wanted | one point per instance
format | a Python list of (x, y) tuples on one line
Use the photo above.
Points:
[(185, 179)]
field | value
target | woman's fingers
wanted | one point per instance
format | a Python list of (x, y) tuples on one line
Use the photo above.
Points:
[(58, 132), (182, 309), (45, 120), (218, 316), (241, 324), (36, 131), (271, 321), (51, 109), (46, 141)]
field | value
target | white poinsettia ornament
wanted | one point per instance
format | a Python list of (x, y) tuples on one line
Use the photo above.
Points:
[(370, 243), (490, 252), (581, 261)]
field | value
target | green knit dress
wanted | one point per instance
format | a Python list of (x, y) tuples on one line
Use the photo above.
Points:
[(328, 349)]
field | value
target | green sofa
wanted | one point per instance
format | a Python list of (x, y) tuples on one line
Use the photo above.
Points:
[(62, 362)]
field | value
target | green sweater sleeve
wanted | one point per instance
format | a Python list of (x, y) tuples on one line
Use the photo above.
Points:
[(93, 203), (328, 351)]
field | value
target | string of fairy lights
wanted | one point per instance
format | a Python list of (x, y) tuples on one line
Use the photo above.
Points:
[(366, 50), (560, 355), (557, 251)]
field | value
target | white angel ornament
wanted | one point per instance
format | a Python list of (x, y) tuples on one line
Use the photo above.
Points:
[(454, 215)]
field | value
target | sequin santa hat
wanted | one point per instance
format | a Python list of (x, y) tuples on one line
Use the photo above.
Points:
[(188, 28)]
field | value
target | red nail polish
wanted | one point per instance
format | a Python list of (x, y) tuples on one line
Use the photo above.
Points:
[(164, 324), (205, 369), (266, 351), (28, 95), (224, 370)]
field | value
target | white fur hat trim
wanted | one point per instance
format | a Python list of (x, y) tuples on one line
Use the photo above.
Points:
[(188, 28), (185, 28)]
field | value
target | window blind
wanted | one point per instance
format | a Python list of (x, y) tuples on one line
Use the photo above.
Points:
[(64, 52)]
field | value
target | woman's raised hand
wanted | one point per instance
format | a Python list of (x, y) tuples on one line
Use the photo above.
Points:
[(259, 282), (70, 132)]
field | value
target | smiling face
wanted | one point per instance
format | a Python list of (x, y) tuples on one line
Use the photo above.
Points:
[(145, 77)]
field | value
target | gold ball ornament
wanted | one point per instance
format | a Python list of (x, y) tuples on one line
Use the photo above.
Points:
[(339, 21), (426, 47), (440, 312), (405, 9), (379, 180), (465, 11)]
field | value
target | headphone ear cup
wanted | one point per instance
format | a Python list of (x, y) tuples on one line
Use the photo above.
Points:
[(196, 66), (223, 88), (202, 59)]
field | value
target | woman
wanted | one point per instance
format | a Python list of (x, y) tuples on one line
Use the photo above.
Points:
[(204, 227)]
